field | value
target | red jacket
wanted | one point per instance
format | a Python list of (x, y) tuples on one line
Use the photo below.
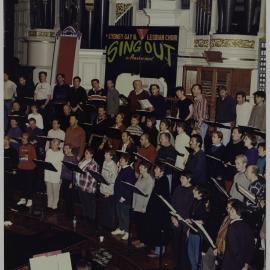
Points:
[(27, 153)]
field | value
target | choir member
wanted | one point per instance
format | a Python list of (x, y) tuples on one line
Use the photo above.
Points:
[(55, 156), (43, 91), (77, 97), (11, 160), (184, 105), (67, 179), (134, 129), (75, 136), (127, 143), (135, 95), (181, 142), (233, 148), (258, 114), (239, 240), (198, 212), (14, 132), (261, 162), (167, 153), (164, 128), (243, 109), (61, 90), (150, 128), (157, 215), (240, 178), (146, 150), (158, 102), (87, 185), (182, 201), (56, 133), (200, 109), (123, 197), (106, 202), (145, 183), (26, 166), (196, 162), (37, 116), (217, 150), (25, 93), (225, 113), (113, 100), (250, 142)]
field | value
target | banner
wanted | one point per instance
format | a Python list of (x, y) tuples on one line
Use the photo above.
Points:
[(150, 52)]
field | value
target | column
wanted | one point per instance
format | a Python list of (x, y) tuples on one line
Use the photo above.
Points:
[(261, 32), (214, 18)]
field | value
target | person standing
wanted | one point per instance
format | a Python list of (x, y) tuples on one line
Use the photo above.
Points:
[(113, 101), (225, 113), (200, 109), (239, 240), (184, 105), (43, 91), (123, 197), (243, 109), (55, 156), (135, 95), (26, 166), (9, 95), (75, 136), (87, 185), (196, 162), (258, 114)]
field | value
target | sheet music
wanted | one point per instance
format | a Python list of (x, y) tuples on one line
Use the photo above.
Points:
[(246, 193), (220, 187), (200, 226), (128, 184), (173, 212), (54, 262), (145, 104)]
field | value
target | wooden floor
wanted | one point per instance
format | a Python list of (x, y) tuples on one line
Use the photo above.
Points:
[(124, 257)]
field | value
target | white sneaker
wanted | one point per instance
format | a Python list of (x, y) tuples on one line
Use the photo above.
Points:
[(29, 203), (21, 201), (117, 232), (125, 236)]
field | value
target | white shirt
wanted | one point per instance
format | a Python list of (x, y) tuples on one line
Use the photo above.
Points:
[(124, 147), (243, 112), (55, 134), (39, 119), (109, 172), (54, 157), (43, 90), (9, 89), (181, 142)]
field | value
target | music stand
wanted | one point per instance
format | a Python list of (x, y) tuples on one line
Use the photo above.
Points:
[(113, 133), (216, 124)]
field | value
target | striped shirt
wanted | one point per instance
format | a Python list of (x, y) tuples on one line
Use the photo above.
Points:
[(200, 110)]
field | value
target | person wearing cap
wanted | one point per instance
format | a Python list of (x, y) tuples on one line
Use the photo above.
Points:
[(258, 114), (225, 113)]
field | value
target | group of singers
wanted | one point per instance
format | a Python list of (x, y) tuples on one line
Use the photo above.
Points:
[(211, 173)]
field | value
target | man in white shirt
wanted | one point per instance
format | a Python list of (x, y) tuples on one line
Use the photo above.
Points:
[(43, 91), (9, 94), (56, 133), (243, 109)]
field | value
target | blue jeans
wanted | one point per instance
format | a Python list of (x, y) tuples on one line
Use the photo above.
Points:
[(194, 250), (122, 211)]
